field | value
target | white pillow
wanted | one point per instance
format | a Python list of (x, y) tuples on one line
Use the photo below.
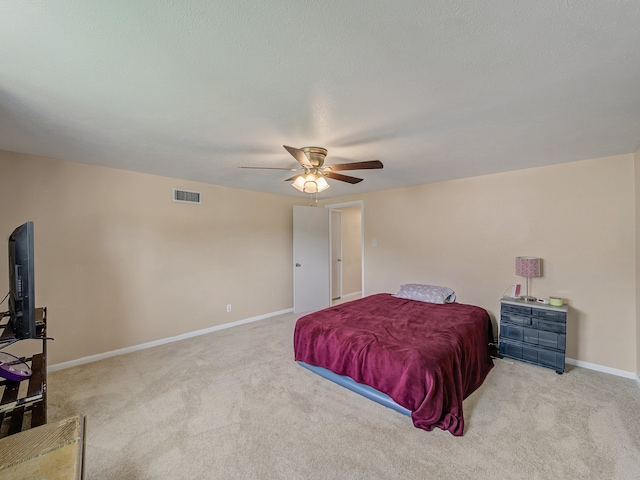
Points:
[(426, 293)]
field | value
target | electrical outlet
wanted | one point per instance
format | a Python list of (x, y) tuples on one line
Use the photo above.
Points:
[(229, 308)]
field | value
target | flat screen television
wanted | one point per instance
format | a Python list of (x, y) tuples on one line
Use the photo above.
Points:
[(22, 310)]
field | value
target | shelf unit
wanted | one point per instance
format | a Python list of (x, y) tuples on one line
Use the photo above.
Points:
[(23, 404), (533, 333)]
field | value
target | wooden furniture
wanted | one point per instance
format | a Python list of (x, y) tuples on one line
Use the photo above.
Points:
[(534, 333), (52, 451), (23, 405)]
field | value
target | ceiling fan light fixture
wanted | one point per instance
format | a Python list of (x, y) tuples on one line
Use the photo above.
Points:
[(310, 183), (311, 161)]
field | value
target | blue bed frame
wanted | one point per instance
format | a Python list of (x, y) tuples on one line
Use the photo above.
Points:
[(364, 390)]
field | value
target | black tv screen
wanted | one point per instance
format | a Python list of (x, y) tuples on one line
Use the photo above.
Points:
[(22, 310)]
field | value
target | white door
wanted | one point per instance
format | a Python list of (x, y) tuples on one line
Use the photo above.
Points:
[(311, 260), (336, 254)]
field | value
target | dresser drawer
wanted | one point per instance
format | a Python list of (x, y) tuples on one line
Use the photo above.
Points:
[(518, 350), (551, 326), (516, 309), (549, 314), (533, 336), (546, 339), (516, 319), (511, 331), (551, 359), (531, 354)]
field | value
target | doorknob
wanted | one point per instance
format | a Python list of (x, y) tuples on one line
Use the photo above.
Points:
[(298, 265)]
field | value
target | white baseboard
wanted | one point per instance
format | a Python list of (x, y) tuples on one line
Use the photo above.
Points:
[(162, 341), (601, 368), (184, 336)]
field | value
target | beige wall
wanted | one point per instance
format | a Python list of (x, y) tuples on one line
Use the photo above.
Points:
[(119, 264), (351, 250), (578, 217)]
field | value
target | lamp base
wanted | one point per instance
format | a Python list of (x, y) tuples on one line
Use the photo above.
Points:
[(528, 299)]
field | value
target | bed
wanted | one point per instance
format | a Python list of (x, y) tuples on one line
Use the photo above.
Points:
[(422, 359)]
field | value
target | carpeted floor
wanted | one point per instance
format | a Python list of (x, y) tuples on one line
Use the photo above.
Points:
[(234, 405)]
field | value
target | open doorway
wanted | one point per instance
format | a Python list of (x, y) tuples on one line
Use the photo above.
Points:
[(347, 251), (336, 254)]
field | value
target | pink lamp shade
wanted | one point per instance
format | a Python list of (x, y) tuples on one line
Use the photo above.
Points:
[(528, 267)]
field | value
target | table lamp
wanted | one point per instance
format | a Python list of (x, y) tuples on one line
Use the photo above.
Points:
[(528, 267)]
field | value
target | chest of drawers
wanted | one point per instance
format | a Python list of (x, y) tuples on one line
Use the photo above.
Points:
[(533, 333)]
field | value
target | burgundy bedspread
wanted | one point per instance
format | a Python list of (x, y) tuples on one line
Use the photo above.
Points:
[(428, 358)]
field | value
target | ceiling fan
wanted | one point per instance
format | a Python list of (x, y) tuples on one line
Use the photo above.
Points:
[(313, 170)]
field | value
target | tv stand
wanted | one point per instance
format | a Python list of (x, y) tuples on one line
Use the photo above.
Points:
[(23, 404)]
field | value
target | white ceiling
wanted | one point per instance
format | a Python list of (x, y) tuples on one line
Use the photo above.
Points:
[(435, 89)]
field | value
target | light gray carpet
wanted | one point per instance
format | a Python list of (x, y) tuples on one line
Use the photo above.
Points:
[(234, 405)]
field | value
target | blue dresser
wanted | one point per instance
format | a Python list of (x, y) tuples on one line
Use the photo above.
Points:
[(533, 333)]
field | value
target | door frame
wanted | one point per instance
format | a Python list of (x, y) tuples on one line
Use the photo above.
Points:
[(338, 278), (355, 203)]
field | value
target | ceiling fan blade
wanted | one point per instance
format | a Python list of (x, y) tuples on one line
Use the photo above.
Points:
[(368, 165), (299, 155), (273, 168), (342, 178)]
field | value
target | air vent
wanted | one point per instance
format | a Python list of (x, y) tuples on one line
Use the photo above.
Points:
[(186, 196)]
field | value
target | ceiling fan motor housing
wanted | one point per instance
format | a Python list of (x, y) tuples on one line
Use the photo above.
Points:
[(316, 155)]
